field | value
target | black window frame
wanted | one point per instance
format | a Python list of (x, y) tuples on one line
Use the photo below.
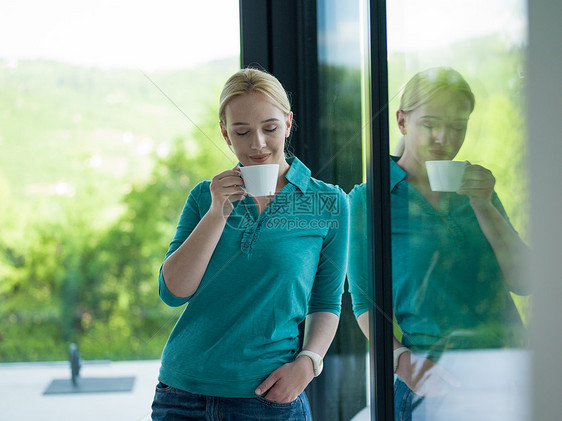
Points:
[(281, 38)]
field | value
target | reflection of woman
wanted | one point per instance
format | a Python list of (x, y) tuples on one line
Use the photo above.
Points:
[(455, 256), (248, 278)]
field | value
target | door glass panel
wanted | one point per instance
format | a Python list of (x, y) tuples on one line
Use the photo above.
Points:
[(460, 301), (343, 395), (109, 118)]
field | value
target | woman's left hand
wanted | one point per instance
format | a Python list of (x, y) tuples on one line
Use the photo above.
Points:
[(478, 184), (287, 382)]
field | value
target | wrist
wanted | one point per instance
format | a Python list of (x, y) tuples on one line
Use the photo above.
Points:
[(216, 216), (317, 362), (482, 204), (397, 354), (305, 365)]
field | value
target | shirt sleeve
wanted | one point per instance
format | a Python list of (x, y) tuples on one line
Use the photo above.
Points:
[(328, 285), (357, 274), (190, 217), (499, 206)]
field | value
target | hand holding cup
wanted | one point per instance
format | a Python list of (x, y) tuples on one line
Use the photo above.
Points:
[(226, 188), (478, 184)]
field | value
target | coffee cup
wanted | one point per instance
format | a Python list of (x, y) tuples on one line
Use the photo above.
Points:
[(445, 176), (260, 180)]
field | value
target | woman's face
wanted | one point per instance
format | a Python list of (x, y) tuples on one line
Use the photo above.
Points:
[(256, 129), (435, 130)]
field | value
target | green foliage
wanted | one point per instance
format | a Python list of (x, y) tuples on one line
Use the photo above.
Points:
[(340, 125), (79, 260), (496, 136), (74, 282), (82, 266)]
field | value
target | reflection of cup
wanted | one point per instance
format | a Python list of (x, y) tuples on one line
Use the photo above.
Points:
[(445, 175), (260, 180)]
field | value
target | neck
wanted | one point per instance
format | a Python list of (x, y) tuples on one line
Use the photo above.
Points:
[(414, 168), (417, 177), (283, 170)]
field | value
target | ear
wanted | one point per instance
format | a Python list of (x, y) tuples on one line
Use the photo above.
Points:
[(225, 133), (288, 124), (401, 118)]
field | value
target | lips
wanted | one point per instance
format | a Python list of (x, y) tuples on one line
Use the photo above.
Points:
[(260, 158), (439, 154)]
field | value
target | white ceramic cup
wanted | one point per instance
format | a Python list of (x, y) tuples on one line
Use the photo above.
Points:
[(445, 176), (260, 180)]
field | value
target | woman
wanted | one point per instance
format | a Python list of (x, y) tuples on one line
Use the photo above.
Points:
[(248, 278), (455, 256)]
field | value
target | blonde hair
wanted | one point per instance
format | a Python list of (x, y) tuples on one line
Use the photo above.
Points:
[(249, 80), (426, 85)]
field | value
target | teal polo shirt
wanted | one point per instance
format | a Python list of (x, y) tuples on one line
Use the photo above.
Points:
[(448, 290), (267, 273)]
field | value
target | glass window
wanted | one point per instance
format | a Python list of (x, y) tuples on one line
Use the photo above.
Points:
[(343, 395), (109, 119), (459, 229)]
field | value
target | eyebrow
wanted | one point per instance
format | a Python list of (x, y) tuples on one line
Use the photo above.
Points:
[(269, 120), (439, 118)]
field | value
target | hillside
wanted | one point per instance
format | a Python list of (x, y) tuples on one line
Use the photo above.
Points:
[(64, 128)]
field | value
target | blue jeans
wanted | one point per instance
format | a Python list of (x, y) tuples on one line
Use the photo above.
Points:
[(171, 404), (406, 402)]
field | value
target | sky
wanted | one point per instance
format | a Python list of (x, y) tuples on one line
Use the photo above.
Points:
[(415, 25), (418, 26), (172, 34), (147, 35)]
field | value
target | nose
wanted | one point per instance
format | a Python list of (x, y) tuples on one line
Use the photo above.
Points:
[(442, 135), (258, 141)]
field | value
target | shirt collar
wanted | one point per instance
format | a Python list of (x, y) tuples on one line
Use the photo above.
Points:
[(298, 174), (397, 174)]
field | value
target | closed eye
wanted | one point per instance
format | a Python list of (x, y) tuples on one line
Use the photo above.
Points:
[(242, 134), (271, 130)]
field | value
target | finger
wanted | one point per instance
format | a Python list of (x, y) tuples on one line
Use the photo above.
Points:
[(275, 397), (477, 187), (237, 197), (232, 181), (226, 182), (227, 173), (477, 172), (267, 383), (474, 171), (230, 191)]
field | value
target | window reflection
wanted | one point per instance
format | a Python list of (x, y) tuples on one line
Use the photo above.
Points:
[(457, 254), (341, 393)]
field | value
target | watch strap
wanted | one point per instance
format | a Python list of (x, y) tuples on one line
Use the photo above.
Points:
[(397, 353), (317, 361)]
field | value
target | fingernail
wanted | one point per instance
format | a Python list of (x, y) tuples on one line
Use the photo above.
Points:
[(258, 391)]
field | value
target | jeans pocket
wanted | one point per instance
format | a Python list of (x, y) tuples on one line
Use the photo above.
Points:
[(402, 401), (273, 404), (163, 387)]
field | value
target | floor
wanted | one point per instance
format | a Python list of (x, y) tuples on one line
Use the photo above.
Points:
[(23, 385)]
